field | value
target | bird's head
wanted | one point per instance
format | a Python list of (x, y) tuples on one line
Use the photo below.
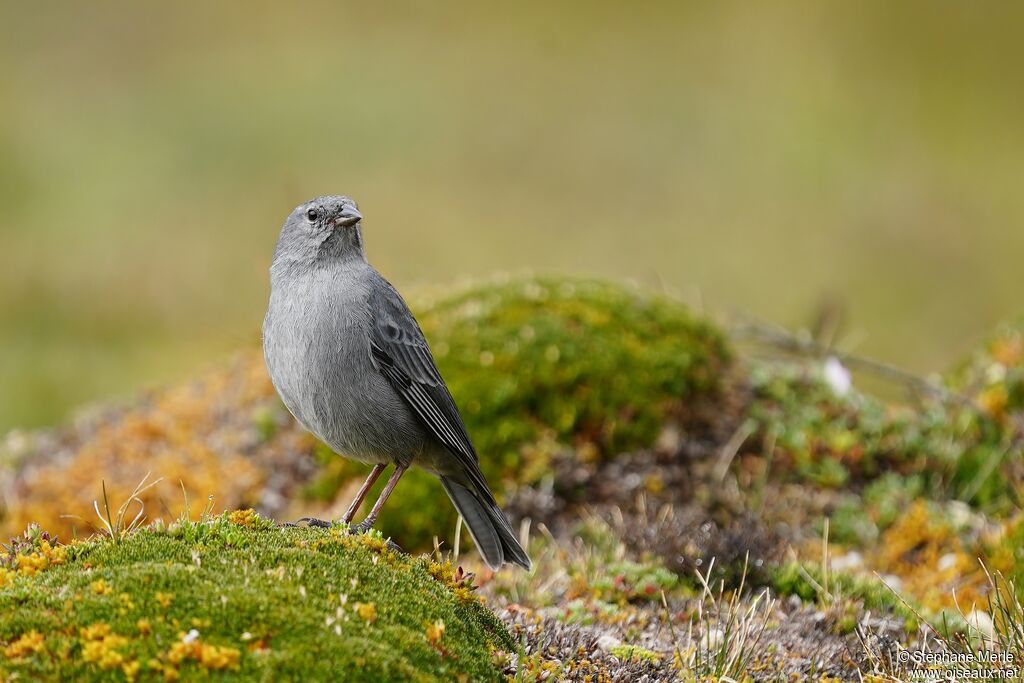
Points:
[(320, 230)]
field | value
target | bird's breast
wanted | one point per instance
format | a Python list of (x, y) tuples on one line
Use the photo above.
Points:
[(316, 343)]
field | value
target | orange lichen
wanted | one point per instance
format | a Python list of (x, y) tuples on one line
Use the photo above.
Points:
[(199, 435), (925, 553), (1009, 350)]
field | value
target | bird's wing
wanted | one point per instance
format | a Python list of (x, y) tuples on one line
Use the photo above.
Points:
[(399, 351)]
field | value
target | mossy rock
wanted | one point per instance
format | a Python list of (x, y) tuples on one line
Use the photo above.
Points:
[(234, 598), (535, 364)]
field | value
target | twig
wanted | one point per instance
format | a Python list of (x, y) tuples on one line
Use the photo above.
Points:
[(771, 335), (731, 448)]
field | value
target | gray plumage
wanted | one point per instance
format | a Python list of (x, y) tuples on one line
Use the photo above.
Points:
[(352, 365)]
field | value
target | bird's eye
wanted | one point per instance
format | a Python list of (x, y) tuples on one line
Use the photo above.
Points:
[(312, 215)]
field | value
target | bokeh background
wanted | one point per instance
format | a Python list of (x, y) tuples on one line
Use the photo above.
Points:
[(759, 158)]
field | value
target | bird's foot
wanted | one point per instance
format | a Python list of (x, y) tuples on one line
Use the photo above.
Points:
[(310, 521), (361, 528), (366, 526)]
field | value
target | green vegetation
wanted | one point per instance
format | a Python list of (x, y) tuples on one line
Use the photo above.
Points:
[(943, 448), (587, 361), (818, 493), (909, 486), (236, 596), (635, 653), (541, 364), (809, 582)]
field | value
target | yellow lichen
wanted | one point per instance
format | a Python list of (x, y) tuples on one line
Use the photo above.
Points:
[(6, 576), (27, 644), (130, 669), (219, 657), (441, 571), (100, 646), (435, 632), (215, 657), (40, 559), (994, 400), (127, 604), (466, 594), (367, 611), (95, 631), (247, 517)]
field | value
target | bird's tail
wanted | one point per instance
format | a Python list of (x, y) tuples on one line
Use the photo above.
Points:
[(488, 526)]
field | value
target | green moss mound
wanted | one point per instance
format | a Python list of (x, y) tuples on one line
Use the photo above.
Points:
[(534, 363), (234, 598)]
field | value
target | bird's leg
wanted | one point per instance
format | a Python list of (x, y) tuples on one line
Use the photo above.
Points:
[(361, 496), (353, 508), (367, 523)]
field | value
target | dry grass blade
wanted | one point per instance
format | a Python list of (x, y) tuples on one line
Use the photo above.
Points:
[(114, 523), (1004, 606), (457, 546), (1004, 634), (729, 633)]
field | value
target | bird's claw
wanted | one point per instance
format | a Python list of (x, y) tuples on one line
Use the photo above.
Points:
[(364, 526), (360, 528), (310, 521)]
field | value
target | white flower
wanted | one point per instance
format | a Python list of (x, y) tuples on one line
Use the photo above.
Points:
[(837, 376), (711, 639), (995, 373), (848, 562), (190, 637), (982, 624), (947, 561)]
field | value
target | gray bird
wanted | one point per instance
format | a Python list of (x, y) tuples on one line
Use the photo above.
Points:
[(352, 365)]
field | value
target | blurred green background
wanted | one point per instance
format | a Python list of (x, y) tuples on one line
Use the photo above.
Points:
[(760, 157)]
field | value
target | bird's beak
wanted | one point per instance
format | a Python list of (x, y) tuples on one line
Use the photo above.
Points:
[(347, 218)]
